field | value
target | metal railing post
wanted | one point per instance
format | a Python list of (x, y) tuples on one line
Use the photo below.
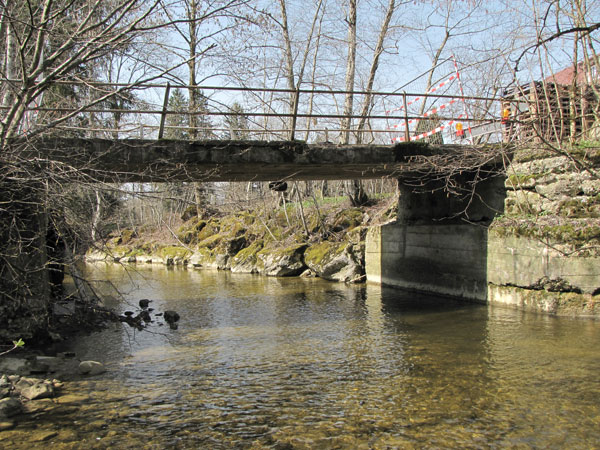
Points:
[(406, 130), (295, 113), (163, 115)]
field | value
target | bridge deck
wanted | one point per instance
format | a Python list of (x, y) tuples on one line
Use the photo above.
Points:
[(226, 160)]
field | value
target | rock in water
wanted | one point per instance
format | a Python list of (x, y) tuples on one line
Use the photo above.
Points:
[(10, 407), (171, 316), (144, 303), (91, 368), (38, 390)]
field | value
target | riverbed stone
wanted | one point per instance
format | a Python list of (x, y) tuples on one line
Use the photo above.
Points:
[(9, 407), (4, 391), (6, 425), (41, 436), (38, 390), (11, 365), (91, 368)]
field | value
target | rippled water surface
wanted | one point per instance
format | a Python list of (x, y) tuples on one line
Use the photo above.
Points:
[(302, 363)]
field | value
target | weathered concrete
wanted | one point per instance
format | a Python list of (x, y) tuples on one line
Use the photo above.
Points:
[(223, 160), (439, 242), (531, 264), (440, 259), (543, 301)]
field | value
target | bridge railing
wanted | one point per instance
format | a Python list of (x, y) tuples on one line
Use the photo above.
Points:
[(163, 111)]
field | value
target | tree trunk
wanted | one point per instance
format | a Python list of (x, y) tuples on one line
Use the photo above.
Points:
[(373, 71), (350, 72)]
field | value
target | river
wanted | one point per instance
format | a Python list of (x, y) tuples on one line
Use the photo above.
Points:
[(290, 363)]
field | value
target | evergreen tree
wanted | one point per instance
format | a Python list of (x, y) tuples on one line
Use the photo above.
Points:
[(177, 124), (237, 123)]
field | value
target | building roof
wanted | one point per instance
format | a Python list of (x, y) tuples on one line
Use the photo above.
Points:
[(565, 76)]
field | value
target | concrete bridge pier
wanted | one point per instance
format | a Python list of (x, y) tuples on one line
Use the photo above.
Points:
[(438, 244)]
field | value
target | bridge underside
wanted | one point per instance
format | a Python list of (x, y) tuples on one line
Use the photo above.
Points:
[(224, 160)]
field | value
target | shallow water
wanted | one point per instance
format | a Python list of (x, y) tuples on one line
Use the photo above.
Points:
[(302, 363)]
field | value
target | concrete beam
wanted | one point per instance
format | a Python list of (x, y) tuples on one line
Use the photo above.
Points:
[(132, 160)]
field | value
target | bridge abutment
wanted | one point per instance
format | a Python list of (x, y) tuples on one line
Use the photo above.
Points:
[(438, 244)]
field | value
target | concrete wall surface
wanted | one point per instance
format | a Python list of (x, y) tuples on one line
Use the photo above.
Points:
[(464, 261), (442, 259), (529, 263)]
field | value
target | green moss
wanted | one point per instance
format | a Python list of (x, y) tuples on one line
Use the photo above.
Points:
[(318, 254), (520, 179), (212, 241), (248, 252), (234, 226), (172, 251), (579, 209), (347, 219), (573, 233), (210, 228), (127, 235)]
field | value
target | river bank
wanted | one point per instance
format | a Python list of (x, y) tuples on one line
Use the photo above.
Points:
[(327, 242)]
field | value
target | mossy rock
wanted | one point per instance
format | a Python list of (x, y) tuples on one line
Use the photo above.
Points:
[(127, 236), (189, 213), (245, 260), (174, 255), (203, 257), (321, 253), (234, 226), (314, 223), (347, 219), (281, 262), (357, 235), (209, 229), (212, 241), (336, 261), (188, 232)]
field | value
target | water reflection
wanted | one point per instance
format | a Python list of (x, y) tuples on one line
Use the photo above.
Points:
[(301, 363)]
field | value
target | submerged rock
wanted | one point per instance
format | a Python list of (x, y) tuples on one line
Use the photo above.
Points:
[(10, 407), (40, 389), (171, 317), (91, 368), (144, 303), (12, 365)]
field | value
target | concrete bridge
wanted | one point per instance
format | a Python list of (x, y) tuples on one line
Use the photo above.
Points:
[(133, 160), (448, 194)]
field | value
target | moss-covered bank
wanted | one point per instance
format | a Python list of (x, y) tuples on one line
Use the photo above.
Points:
[(274, 243)]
